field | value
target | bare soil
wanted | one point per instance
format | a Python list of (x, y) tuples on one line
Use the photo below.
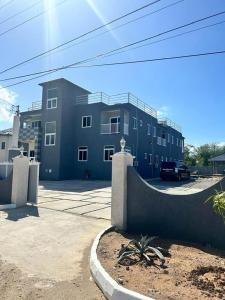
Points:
[(191, 272), (16, 285)]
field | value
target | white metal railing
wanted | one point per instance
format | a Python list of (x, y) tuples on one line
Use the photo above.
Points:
[(116, 99), (5, 169), (35, 106), (168, 122), (110, 128)]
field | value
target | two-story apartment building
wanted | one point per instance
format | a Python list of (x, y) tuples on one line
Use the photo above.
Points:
[(74, 132)]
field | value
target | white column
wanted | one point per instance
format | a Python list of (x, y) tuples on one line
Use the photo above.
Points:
[(15, 134), (20, 180), (120, 162)]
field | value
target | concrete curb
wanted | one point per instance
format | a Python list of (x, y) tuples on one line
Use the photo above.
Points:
[(111, 289), (7, 206)]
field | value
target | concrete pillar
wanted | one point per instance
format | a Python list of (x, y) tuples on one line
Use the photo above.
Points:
[(120, 162), (20, 180), (15, 133), (33, 182)]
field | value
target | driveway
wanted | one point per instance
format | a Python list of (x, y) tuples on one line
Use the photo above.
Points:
[(45, 249), (86, 198), (193, 185)]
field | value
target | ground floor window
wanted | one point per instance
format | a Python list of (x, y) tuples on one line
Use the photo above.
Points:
[(108, 152), (83, 153)]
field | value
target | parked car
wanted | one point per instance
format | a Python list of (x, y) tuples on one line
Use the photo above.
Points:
[(174, 170)]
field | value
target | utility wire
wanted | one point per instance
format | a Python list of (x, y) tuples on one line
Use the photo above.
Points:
[(80, 36), (7, 3), (30, 19), (112, 52), (129, 62), (114, 28), (20, 12)]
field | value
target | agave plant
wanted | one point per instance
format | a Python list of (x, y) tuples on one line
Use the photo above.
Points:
[(142, 250), (218, 201)]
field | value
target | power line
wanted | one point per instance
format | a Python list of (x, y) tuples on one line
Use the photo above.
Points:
[(6, 4), (128, 62), (20, 12), (115, 51), (80, 36), (116, 27), (30, 19)]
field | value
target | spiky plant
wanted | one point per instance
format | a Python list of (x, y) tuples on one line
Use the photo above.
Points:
[(142, 250), (218, 202)]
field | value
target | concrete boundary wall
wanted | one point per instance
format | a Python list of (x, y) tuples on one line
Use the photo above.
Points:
[(181, 217)]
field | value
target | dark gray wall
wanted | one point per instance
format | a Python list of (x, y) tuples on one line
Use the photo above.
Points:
[(6, 190), (181, 217)]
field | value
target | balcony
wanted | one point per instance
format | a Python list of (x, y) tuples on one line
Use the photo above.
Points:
[(110, 128), (35, 106)]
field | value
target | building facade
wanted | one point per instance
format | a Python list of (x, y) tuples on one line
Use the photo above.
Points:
[(5, 144), (74, 132)]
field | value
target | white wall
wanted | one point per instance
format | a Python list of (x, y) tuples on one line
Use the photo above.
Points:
[(8, 144)]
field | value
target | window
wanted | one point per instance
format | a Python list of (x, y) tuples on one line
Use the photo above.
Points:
[(159, 140), (52, 98), (52, 103), (148, 129), (3, 146), (36, 124), (141, 123), (177, 142), (83, 153), (134, 123), (154, 131), (168, 140), (172, 139), (50, 133), (86, 121), (108, 152), (150, 159), (161, 158), (146, 155)]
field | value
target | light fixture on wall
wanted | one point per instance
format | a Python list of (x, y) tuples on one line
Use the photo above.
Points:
[(122, 144)]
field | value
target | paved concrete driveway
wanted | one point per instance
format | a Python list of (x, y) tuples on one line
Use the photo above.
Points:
[(86, 198), (45, 249), (184, 187)]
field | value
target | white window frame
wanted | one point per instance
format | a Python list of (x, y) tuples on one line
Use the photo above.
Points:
[(89, 116), (83, 150), (110, 147), (51, 101), (134, 123), (50, 134), (148, 129)]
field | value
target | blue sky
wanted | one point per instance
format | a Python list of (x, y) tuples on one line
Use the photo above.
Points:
[(191, 92)]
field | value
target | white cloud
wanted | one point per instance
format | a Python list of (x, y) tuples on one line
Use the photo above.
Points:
[(163, 112), (9, 96), (221, 144)]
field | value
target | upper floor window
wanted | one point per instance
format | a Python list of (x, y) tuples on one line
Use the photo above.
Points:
[(168, 139), (3, 146), (52, 98), (108, 152), (172, 139), (177, 142), (148, 129), (150, 159), (83, 153), (86, 121), (141, 123), (154, 131), (50, 133), (36, 124), (134, 123), (145, 155)]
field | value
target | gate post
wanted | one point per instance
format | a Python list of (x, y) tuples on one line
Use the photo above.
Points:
[(20, 180), (120, 162)]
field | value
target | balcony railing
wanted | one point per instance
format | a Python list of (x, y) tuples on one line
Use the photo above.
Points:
[(35, 106), (116, 99), (110, 128), (168, 122)]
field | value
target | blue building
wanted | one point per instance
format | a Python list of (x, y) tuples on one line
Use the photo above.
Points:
[(74, 132)]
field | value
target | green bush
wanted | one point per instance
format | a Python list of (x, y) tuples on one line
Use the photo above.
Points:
[(218, 202)]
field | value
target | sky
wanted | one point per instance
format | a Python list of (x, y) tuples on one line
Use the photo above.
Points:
[(191, 92)]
